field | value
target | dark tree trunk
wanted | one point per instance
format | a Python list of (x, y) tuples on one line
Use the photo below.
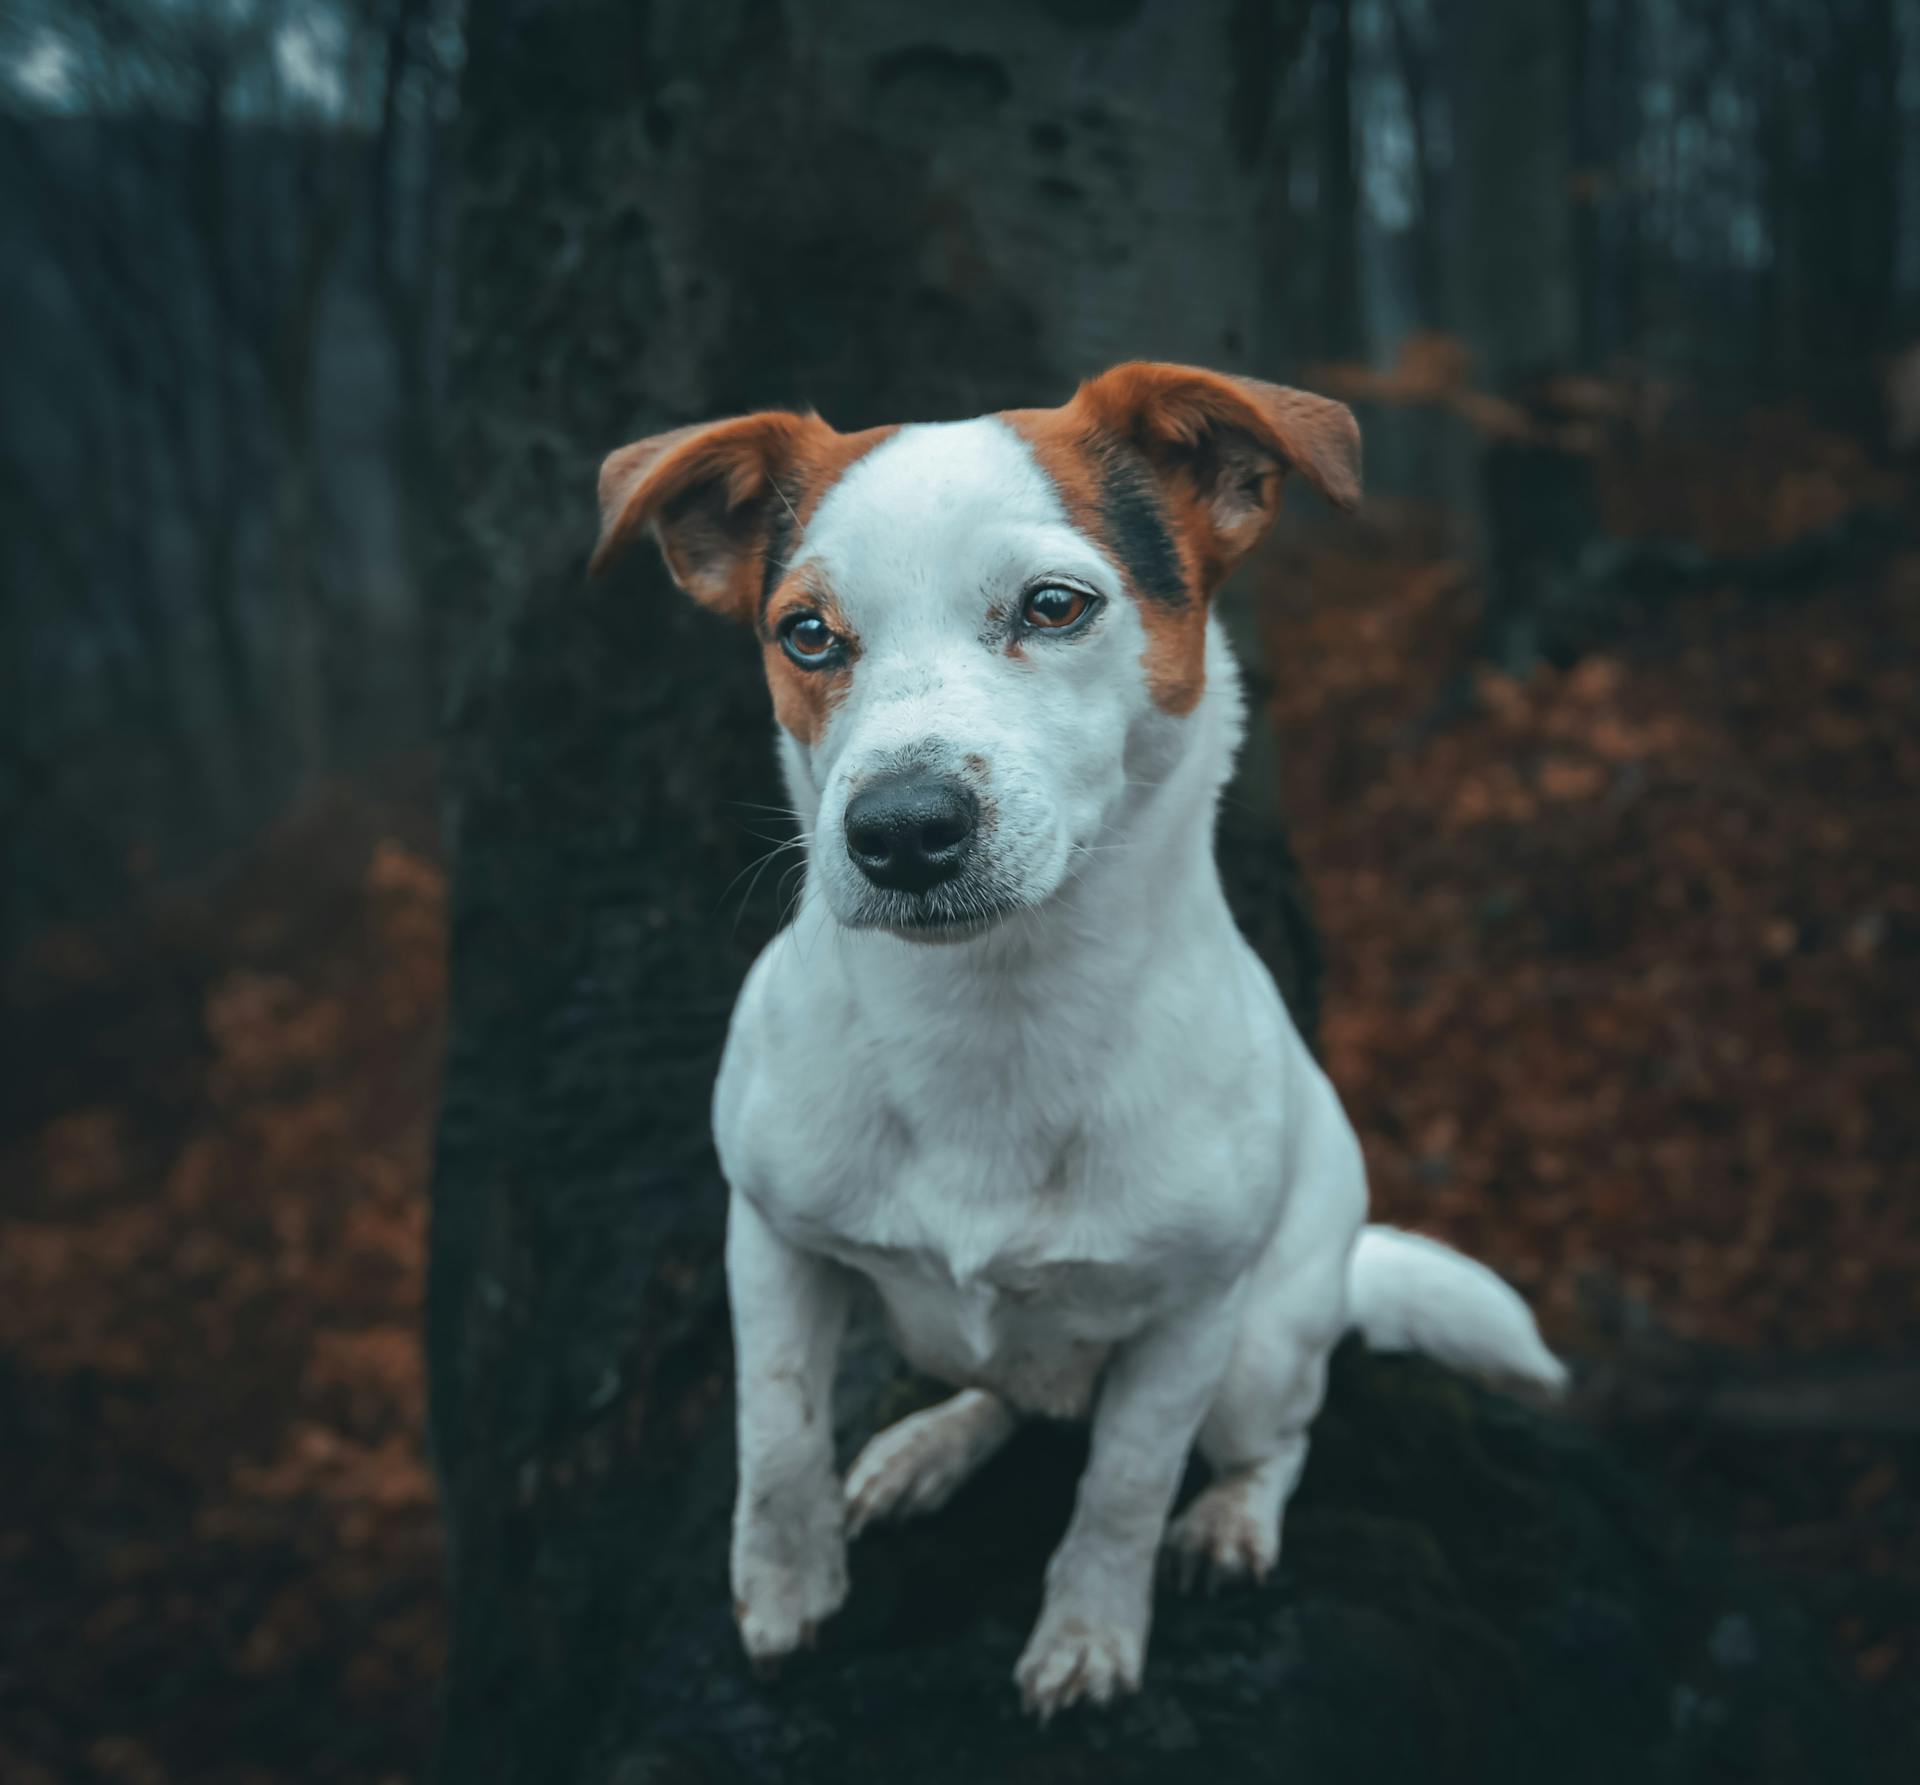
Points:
[(1516, 298), (1587, 90), (1414, 61), (1862, 175), (1782, 300), (687, 209), (1624, 119), (1343, 332)]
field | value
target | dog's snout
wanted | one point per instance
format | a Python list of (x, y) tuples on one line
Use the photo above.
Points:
[(912, 830)]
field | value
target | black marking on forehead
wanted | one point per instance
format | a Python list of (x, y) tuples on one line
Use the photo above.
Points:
[(1135, 527)]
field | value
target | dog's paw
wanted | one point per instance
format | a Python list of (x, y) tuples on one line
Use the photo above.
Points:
[(1230, 1534), (915, 1466), (779, 1607), (1072, 1660)]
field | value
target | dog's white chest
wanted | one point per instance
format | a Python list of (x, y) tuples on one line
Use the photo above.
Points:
[(1003, 1330), (1013, 1263), (1027, 1180)]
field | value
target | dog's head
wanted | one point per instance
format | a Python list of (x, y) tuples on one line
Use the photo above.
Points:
[(976, 632)]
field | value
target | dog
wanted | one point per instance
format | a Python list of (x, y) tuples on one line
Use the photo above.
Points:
[(1012, 1061)]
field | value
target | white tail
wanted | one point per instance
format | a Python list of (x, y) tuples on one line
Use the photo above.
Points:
[(1410, 1293)]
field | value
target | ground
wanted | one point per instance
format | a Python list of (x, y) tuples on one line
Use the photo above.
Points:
[(217, 1532), (1623, 991)]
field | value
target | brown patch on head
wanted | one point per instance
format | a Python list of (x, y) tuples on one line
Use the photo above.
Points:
[(804, 697), (707, 493), (1110, 495), (721, 496), (1175, 657), (1065, 443), (1224, 443), (728, 502), (1175, 473)]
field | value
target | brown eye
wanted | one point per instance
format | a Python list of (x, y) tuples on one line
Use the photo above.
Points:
[(1054, 607), (808, 639)]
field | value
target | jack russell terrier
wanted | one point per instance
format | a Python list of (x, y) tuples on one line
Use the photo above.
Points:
[(1012, 1062)]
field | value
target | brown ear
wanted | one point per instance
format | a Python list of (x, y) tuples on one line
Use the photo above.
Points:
[(1221, 446), (711, 494)]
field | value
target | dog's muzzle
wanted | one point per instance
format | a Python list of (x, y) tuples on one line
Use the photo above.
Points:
[(910, 832)]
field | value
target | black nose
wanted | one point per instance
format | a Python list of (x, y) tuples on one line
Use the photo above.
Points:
[(912, 830)]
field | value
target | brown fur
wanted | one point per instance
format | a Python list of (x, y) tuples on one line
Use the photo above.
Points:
[(713, 492), (1218, 447), (1186, 420), (1176, 656), (803, 698), (719, 496), (1063, 440), (707, 493), (1068, 443)]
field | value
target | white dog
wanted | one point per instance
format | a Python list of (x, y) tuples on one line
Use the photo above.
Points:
[(1012, 1061)]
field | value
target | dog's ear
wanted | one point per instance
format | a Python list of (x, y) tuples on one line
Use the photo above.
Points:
[(1221, 446), (712, 494)]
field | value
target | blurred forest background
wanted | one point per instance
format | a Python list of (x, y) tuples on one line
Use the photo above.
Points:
[(1595, 734)]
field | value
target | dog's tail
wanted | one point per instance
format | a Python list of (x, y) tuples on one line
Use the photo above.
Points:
[(1410, 1293)]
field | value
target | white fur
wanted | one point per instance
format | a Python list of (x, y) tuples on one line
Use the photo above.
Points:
[(1409, 1293), (921, 541), (1081, 1150)]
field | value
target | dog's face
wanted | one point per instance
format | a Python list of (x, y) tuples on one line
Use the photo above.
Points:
[(976, 633)]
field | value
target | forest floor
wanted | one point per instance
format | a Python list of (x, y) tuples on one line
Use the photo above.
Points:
[(1623, 992)]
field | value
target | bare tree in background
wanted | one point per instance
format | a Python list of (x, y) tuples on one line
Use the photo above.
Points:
[(225, 223), (225, 216), (892, 213), (1516, 298)]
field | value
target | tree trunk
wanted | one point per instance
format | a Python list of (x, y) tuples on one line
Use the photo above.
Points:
[(1624, 89), (1515, 272), (1413, 62), (1343, 324), (687, 209)]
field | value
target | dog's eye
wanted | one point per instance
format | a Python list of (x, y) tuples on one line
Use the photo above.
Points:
[(1054, 607), (808, 639)]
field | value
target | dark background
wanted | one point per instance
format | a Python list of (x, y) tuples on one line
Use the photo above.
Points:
[(1593, 736)]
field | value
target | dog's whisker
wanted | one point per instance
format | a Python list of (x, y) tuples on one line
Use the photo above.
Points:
[(778, 842), (792, 886), (756, 868), (792, 512)]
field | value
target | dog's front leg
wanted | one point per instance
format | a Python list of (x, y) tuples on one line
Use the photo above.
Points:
[(789, 1538), (1091, 1639)]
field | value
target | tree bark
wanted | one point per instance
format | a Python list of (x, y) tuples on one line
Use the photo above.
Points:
[(1515, 272), (1343, 323), (681, 210), (1413, 62)]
